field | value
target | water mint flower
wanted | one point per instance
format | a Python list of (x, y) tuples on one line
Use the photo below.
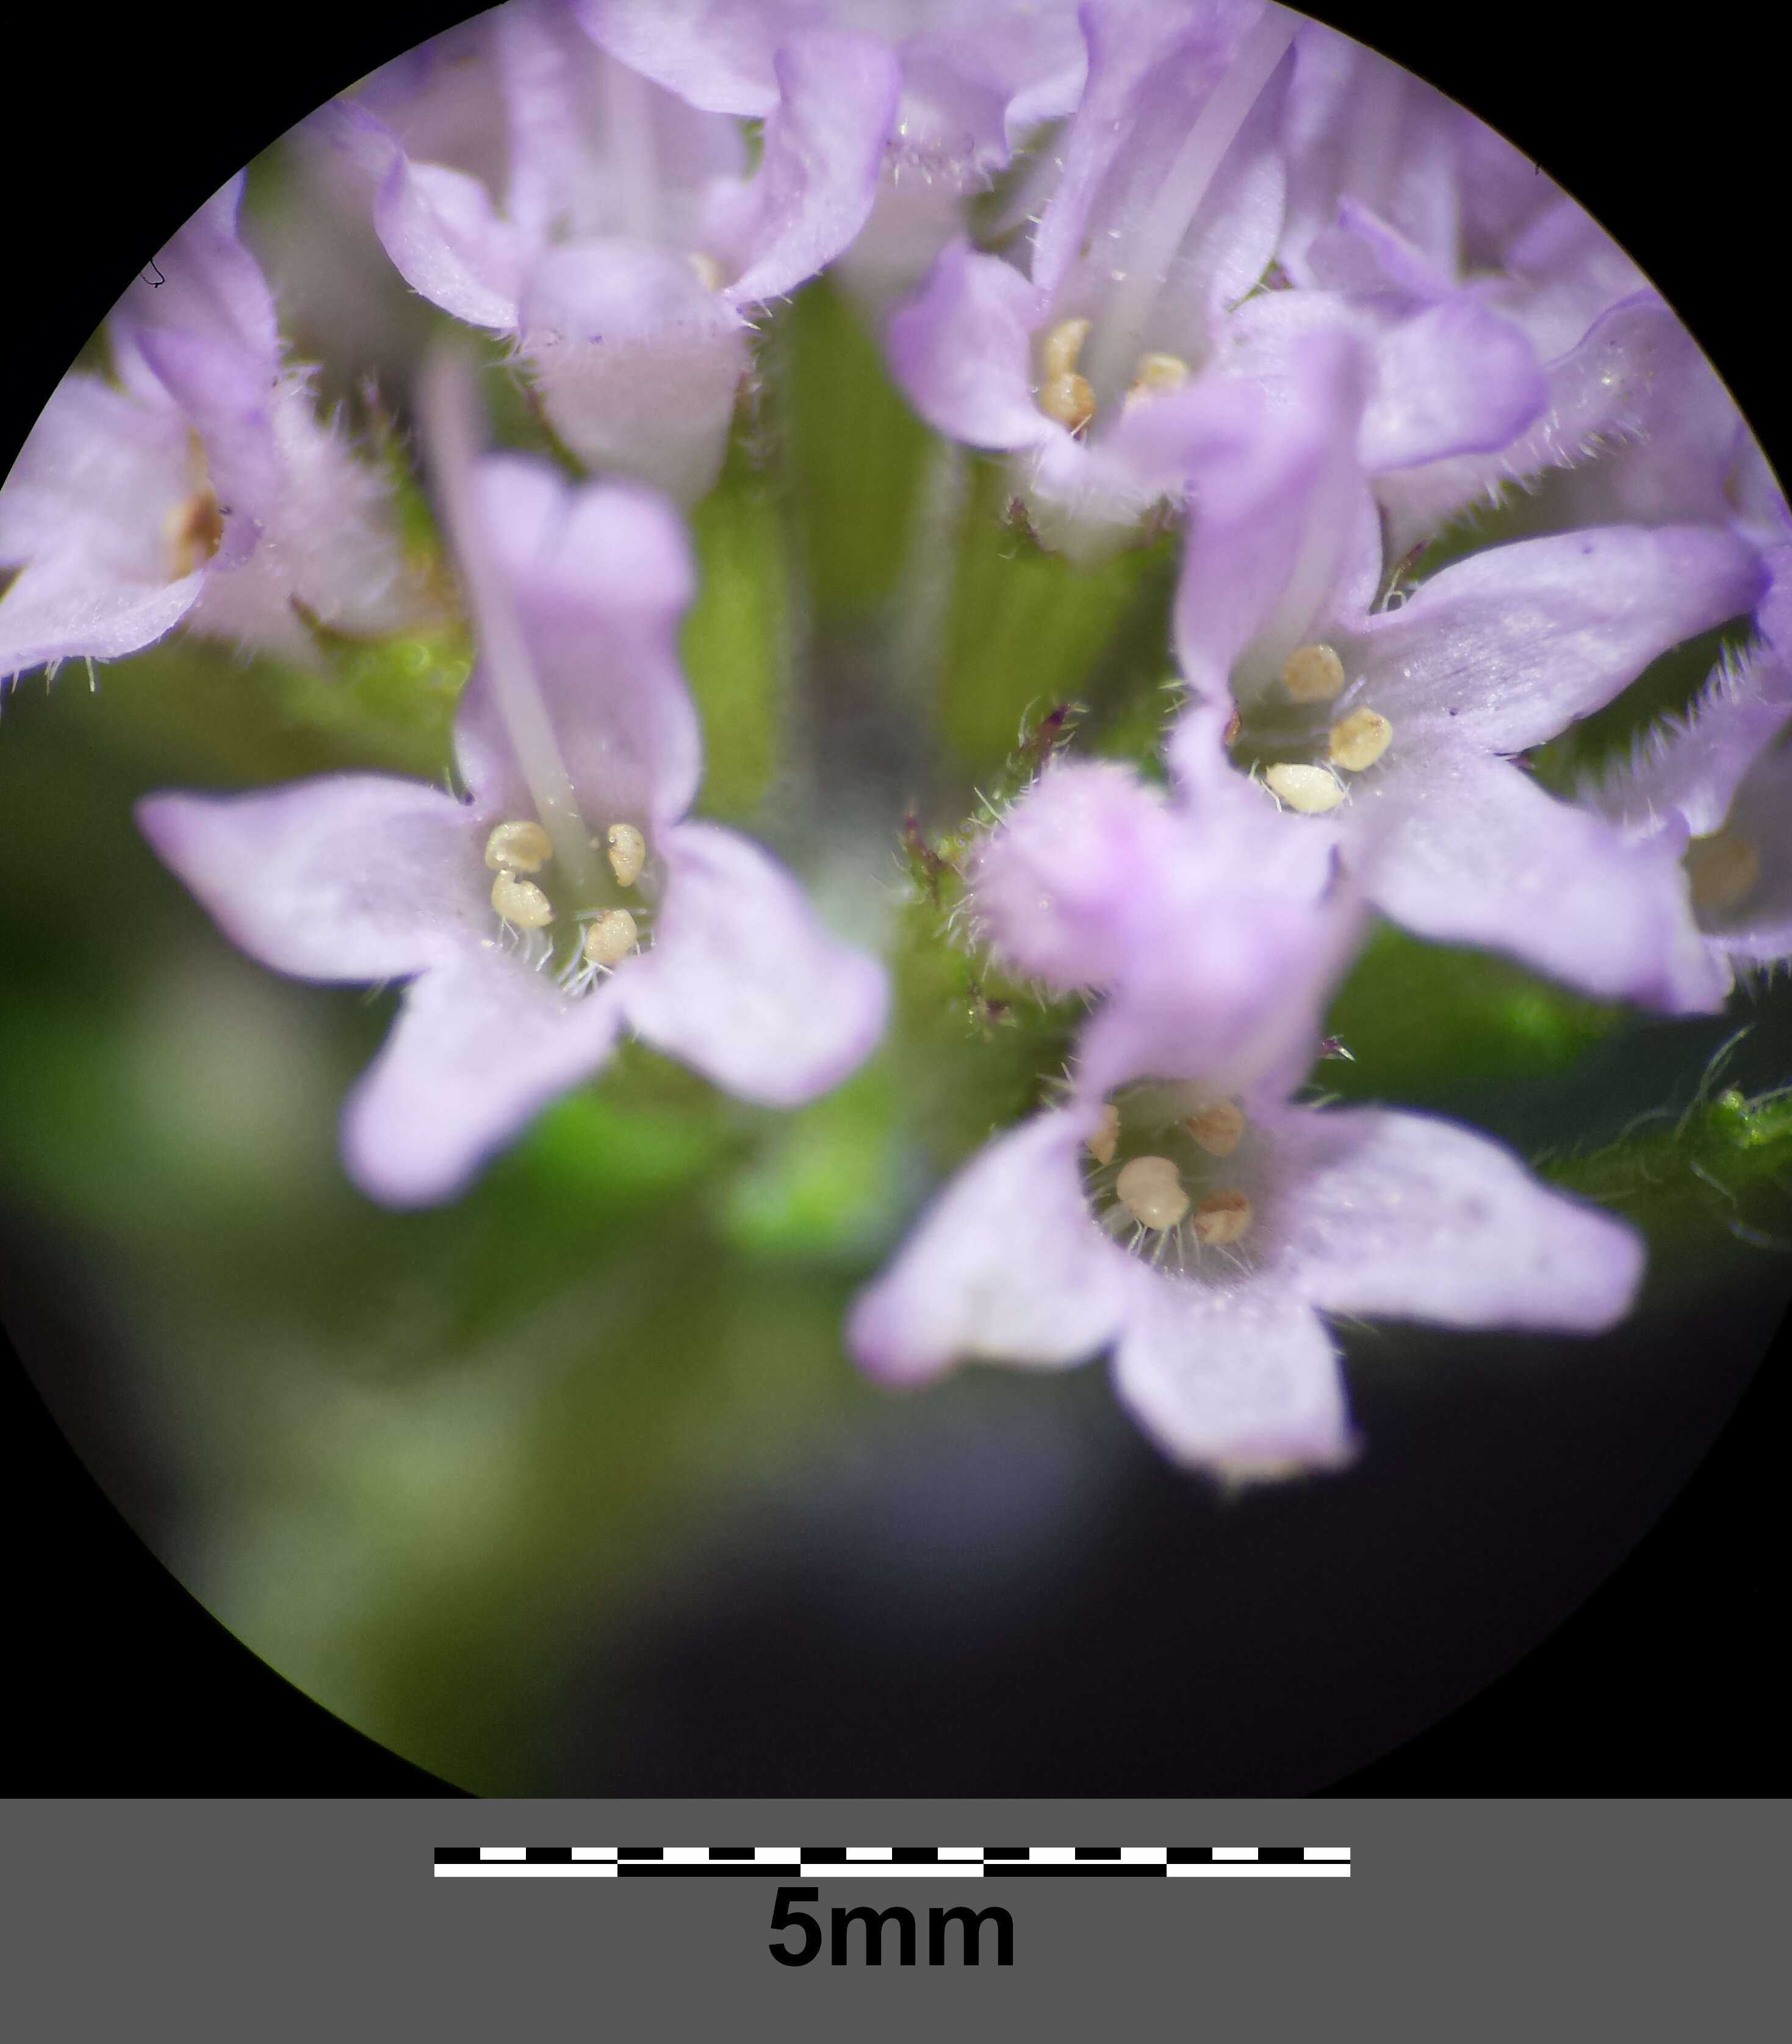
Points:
[(1398, 725), (568, 898), (201, 486), (629, 247), (1202, 1240)]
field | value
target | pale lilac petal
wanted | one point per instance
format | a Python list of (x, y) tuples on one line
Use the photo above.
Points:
[(1006, 1264), (1283, 530), (1399, 1216), (961, 350), (1455, 379), (348, 876), (637, 361), (1506, 647), (1238, 1375), (602, 576), (1466, 850), (64, 605), (437, 224), (818, 177), (481, 1045), (1595, 394), (743, 982), (715, 54)]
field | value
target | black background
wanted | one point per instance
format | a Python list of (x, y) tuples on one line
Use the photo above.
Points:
[(120, 123)]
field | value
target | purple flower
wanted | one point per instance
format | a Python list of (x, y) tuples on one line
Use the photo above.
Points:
[(1145, 272), (568, 898), (1395, 728), (630, 245), (1216, 932), (1202, 1240), (201, 486)]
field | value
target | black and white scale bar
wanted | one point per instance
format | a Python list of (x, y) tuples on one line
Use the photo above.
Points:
[(888, 1862)]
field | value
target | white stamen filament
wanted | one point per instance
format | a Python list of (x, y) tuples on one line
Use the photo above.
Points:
[(451, 439), (1152, 249)]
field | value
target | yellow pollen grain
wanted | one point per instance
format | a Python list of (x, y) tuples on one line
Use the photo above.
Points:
[(1359, 740), (1222, 1217), (627, 853), (1218, 1128), (1722, 870), (1156, 374), (1152, 1192), (1312, 791), (195, 531), (1102, 1138), (521, 902), (611, 937), (1312, 673), (519, 847)]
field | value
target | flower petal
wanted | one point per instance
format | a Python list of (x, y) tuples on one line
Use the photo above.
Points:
[(481, 1045), (637, 360), (63, 606), (1006, 1264), (1506, 647), (961, 350), (348, 876), (1231, 1375), (1400, 1215), (601, 576), (743, 982), (1470, 851), (818, 176), (1454, 380), (717, 55)]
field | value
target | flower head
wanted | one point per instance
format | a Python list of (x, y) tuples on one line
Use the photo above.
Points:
[(568, 898), (629, 244)]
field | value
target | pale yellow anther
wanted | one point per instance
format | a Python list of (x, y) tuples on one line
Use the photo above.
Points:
[(611, 937), (627, 853), (1218, 1128), (1222, 1217), (1359, 740), (1312, 673), (519, 847), (1722, 870), (521, 902), (1157, 373), (195, 531), (1065, 395), (1152, 1192), (1312, 791), (1103, 1137), (708, 269), (1063, 346)]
